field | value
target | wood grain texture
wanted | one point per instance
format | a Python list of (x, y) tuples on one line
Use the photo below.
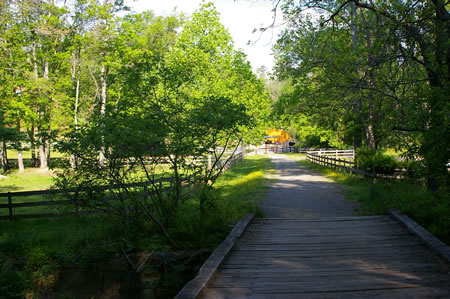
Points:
[(336, 257), (431, 241)]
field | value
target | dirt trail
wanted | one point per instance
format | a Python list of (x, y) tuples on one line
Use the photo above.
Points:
[(301, 193)]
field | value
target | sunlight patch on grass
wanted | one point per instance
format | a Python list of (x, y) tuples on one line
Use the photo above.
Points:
[(249, 179), (31, 179)]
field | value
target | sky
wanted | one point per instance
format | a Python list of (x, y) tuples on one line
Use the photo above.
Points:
[(240, 17)]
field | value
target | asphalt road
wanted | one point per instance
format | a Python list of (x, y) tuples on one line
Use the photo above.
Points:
[(298, 192)]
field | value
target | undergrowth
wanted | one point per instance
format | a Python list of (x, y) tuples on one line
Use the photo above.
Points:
[(33, 250)]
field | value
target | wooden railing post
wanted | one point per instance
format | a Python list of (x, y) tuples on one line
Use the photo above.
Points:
[(10, 207)]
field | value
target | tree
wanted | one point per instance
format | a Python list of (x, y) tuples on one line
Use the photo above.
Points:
[(183, 97), (385, 65)]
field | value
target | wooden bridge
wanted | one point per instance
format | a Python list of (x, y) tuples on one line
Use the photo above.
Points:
[(339, 257)]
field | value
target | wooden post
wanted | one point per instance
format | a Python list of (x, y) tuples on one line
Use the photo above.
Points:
[(10, 206), (77, 209), (209, 162)]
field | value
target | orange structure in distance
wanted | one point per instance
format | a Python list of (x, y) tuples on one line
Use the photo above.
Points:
[(276, 135)]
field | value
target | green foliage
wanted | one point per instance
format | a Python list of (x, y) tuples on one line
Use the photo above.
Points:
[(346, 81), (236, 193), (32, 251), (377, 161), (182, 100)]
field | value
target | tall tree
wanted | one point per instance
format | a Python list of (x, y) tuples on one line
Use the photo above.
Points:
[(398, 82)]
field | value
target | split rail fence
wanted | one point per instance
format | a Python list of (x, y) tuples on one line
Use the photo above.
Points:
[(11, 206), (345, 165)]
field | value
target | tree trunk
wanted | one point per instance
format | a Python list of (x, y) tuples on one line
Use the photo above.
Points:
[(3, 156), (102, 110), (370, 136), (42, 153), (76, 67), (19, 151), (34, 162), (357, 138), (47, 150)]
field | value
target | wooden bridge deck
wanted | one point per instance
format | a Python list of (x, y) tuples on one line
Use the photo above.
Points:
[(344, 257)]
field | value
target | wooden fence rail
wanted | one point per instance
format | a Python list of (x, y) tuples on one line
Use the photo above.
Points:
[(11, 205), (341, 165), (331, 152)]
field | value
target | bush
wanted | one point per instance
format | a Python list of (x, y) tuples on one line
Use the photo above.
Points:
[(372, 160)]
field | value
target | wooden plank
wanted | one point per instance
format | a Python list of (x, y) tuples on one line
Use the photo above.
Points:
[(327, 279), (36, 203), (321, 260), (331, 286), (416, 266), (342, 265), (325, 232), (364, 239), (292, 227), (373, 251), (434, 243), (246, 273), (343, 246), (193, 288), (420, 292), (324, 219)]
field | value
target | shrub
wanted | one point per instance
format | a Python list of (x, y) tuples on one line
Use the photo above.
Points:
[(372, 160)]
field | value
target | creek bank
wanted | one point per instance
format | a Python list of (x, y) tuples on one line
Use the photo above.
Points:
[(141, 275)]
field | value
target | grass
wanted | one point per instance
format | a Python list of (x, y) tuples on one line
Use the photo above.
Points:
[(30, 179), (236, 193), (33, 250), (245, 185), (26, 154), (429, 209)]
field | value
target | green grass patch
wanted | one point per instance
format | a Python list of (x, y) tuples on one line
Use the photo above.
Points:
[(12, 154), (429, 209), (29, 180), (296, 156), (243, 186)]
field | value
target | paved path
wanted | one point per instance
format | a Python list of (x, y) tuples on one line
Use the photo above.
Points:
[(302, 193)]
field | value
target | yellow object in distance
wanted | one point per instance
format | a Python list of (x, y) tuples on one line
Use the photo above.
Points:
[(277, 135)]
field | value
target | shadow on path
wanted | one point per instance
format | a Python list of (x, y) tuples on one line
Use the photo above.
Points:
[(301, 193)]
